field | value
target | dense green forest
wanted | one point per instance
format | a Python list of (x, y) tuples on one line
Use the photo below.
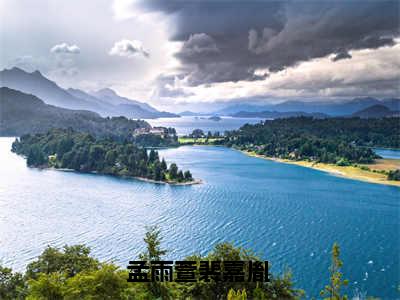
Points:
[(72, 273), (66, 148), (333, 140)]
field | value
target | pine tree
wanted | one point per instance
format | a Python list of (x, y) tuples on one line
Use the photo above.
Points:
[(157, 172), (164, 165), (332, 291), (188, 175), (173, 171), (153, 253), (153, 156), (180, 176)]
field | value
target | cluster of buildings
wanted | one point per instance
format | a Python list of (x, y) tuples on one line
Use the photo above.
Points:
[(160, 131)]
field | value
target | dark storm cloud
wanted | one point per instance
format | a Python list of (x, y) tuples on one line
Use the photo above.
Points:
[(199, 43), (341, 55), (256, 35)]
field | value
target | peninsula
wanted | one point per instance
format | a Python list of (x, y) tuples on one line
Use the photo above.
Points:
[(340, 146), (66, 149)]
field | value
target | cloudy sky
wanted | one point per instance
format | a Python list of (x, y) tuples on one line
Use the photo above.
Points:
[(190, 54)]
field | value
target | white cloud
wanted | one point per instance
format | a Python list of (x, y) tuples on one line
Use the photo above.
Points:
[(129, 48), (127, 9), (123, 9), (370, 72), (65, 48)]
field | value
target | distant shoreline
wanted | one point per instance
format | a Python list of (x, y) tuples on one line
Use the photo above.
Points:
[(350, 172), (195, 181)]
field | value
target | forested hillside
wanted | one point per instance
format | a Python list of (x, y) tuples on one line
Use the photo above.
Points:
[(23, 113)]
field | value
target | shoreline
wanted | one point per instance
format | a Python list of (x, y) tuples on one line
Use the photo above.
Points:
[(349, 172), (193, 182)]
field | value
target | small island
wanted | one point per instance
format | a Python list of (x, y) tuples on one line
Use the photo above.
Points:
[(215, 118), (66, 149)]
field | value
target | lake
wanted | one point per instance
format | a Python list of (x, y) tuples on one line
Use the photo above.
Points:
[(288, 214), (388, 153), (185, 125)]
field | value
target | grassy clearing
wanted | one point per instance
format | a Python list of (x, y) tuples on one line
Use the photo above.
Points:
[(385, 164), (198, 141)]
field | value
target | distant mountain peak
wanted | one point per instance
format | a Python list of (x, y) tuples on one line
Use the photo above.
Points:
[(14, 70), (47, 90), (375, 111), (107, 92), (37, 72), (377, 107), (17, 70)]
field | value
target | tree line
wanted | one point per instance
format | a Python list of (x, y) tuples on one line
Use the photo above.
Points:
[(72, 273), (341, 141), (68, 149)]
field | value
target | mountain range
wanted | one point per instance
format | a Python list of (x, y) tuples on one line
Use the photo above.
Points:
[(106, 102), (333, 108), (276, 114), (22, 113), (376, 111), (373, 111)]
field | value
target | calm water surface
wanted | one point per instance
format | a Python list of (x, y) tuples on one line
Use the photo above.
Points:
[(288, 214), (388, 153), (185, 125)]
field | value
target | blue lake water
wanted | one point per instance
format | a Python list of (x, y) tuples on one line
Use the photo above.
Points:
[(388, 153), (288, 214), (185, 125)]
